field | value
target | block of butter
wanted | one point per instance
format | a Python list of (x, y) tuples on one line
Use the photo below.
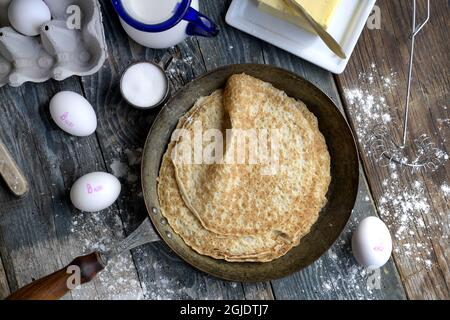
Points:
[(321, 10)]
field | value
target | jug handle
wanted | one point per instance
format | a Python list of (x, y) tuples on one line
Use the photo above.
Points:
[(200, 25)]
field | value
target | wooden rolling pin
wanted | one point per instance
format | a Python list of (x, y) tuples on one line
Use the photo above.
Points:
[(11, 173)]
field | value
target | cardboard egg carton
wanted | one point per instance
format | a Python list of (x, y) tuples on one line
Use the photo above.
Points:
[(62, 49)]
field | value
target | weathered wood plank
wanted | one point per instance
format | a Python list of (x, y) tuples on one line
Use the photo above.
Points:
[(42, 231), (4, 287), (414, 204), (231, 46), (336, 275), (258, 291)]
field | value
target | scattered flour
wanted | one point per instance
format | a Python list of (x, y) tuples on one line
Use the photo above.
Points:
[(370, 108), (443, 126), (119, 169), (404, 209), (180, 66), (374, 113), (445, 188), (134, 156), (121, 280), (404, 206), (358, 282), (128, 166), (99, 231)]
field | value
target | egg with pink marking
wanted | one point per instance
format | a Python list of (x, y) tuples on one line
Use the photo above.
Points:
[(95, 191), (372, 243), (73, 113)]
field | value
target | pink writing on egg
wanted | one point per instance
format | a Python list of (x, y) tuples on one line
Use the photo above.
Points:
[(378, 248), (65, 119), (91, 189)]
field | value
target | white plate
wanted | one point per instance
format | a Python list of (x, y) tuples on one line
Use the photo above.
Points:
[(346, 27)]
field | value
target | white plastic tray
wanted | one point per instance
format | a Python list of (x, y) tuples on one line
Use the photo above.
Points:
[(346, 27)]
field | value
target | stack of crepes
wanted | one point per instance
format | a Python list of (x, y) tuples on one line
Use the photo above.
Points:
[(241, 211)]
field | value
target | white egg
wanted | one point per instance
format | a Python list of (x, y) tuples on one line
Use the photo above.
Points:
[(28, 16), (73, 114), (95, 191), (372, 243)]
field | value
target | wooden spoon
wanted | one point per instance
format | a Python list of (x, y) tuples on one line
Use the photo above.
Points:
[(11, 173)]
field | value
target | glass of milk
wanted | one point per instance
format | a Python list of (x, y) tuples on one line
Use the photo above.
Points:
[(162, 24), (144, 85)]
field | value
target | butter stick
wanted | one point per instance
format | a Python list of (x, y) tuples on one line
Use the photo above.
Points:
[(321, 10)]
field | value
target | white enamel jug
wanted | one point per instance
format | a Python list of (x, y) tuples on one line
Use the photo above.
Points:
[(162, 24)]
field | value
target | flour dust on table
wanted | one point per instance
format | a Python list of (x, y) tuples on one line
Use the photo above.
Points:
[(94, 231), (375, 126), (404, 207), (126, 168), (363, 282), (445, 188)]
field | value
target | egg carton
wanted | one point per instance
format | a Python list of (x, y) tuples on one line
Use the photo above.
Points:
[(58, 52)]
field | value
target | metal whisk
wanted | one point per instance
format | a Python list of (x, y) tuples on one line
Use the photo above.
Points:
[(427, 156)]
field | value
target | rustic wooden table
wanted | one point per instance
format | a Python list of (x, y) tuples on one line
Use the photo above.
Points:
[(42, 232)]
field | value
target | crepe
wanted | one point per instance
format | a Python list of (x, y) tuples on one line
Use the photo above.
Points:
[(261, 248), (237, 199), (243, 212)]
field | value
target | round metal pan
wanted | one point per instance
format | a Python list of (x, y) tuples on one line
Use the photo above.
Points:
[(341, 194)]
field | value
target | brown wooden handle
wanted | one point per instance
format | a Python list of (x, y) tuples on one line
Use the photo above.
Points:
[(11, 173), (52, 287)]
